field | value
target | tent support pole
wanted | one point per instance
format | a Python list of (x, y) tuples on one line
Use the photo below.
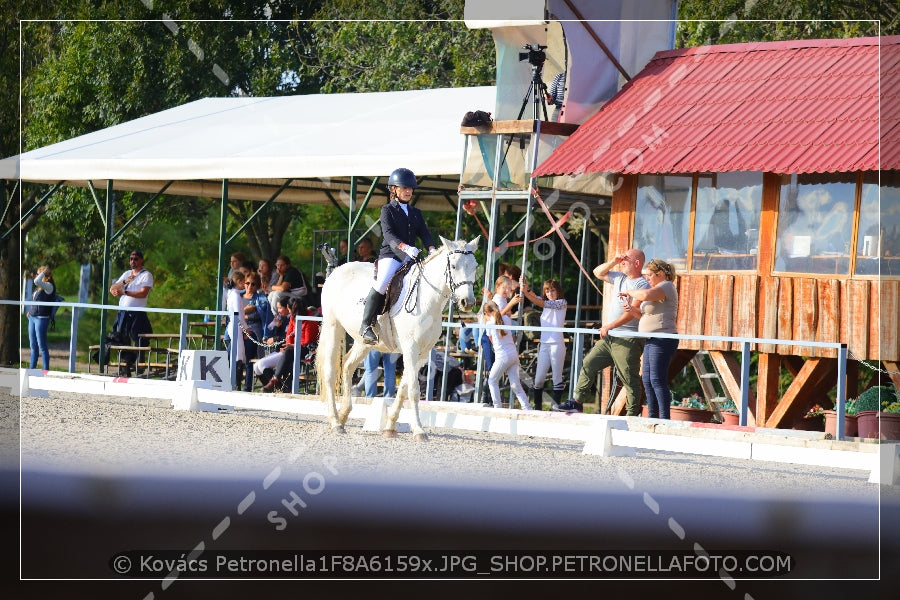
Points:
[(140, 211), (220, 270), (337, 205), (27, 213), (107, 216), (100, 210), (363, 206), (258, 211)]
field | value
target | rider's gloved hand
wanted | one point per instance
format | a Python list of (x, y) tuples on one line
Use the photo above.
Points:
[(410, 251)]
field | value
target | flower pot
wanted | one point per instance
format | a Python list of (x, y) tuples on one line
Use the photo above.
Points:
[(850, 425), (809, 424), (875, 425), (731, 418), (684, 413)]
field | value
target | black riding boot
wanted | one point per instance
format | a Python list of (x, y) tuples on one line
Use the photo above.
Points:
[(374, 304), (538, 398), (557, 396)]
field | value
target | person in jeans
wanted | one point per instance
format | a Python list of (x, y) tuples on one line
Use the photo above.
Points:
[(658, 309), (614, 347), (39, 316)]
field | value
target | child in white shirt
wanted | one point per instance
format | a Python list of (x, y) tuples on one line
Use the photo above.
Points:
[(506, 355)]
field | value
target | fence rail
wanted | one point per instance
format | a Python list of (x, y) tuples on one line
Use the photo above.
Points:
[(577, 332)]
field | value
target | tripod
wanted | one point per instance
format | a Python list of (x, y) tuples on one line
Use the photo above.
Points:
[(537, 91)]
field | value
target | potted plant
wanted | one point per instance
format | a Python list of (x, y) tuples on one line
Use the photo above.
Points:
[(730, 413), (878, 413), (850, 428), (693, 408), (813, 420)]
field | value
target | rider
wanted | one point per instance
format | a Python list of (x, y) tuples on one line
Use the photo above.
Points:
[(401, 224)]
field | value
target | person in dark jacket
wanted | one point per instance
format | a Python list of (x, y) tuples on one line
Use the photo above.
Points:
[(401, 226)]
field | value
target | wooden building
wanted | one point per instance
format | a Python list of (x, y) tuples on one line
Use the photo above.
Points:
[(768, 174)]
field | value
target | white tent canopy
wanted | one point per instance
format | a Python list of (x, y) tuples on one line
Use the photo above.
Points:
[(259, 143)]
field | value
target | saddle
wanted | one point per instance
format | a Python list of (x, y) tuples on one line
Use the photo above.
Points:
[(395, 286)]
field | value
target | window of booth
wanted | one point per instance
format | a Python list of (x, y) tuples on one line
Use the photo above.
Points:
[(815, 223), (662, 217), (726, 221), (868, 238), (884, 241)]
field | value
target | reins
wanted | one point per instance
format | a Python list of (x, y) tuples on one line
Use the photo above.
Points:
[(448, 274)]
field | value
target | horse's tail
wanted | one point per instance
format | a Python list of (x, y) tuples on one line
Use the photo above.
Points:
[(329, 355)]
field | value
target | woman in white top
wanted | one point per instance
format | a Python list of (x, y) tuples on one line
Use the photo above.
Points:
[(552, 348), (235, 303), (506, 355), (659, 308)]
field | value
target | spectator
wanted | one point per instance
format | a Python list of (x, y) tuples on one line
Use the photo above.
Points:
[(290, 281), (364, 251), (343, 251), (266, 275), (552, 348), (276, 331), (618, 349), (237, 259), (257, 315), (503, 290), (132, 289), (388, 362), (309, 332), (659, 308), (235, 303), (401, 225), (556, 94), (506, 356), (454, 376), (39, 316)]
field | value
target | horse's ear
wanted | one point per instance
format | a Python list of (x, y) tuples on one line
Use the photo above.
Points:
[(447, 243), (474, 243)]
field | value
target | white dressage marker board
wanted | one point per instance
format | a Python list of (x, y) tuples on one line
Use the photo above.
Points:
[(210, 366)]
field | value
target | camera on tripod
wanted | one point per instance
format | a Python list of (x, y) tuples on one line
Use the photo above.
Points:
[(535, 55)]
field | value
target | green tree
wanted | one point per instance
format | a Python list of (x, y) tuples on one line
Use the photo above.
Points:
[(703, 23)]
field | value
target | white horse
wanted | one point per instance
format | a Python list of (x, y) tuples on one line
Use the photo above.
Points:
[(411, 326)]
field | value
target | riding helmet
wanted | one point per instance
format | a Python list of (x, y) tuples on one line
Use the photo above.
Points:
[(404, 178)]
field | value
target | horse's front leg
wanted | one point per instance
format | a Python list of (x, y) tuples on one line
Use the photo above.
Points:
[(416, 425), (393, 411), (351, 362)]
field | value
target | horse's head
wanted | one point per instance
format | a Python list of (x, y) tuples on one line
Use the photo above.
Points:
[(461, 267)]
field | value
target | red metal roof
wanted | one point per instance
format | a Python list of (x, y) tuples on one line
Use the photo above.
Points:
[(786, 107)]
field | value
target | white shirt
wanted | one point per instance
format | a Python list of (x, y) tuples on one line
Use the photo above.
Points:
[(141, 280)]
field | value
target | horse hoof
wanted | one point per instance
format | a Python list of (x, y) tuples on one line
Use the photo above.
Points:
[(338, 429), (421, 437), (389, 433)]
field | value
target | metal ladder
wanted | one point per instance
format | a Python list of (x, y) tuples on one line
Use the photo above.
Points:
[(707, 379)]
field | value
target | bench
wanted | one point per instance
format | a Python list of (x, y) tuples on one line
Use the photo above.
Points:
[(119, 363)]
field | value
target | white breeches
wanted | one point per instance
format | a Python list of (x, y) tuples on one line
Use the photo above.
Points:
[(550, 356), (269, 361), (509, 364), (386, 269)]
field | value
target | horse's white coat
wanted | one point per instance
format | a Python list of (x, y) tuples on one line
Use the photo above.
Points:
[(411, 327)]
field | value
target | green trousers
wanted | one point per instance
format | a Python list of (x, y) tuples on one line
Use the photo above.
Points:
[(625, 355)]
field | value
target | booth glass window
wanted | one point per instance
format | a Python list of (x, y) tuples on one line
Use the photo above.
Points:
[(662, 217), (868, 238), (815, 223), (726, 221), (887, 239)]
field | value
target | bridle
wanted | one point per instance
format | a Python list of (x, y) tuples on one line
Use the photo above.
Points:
[(448, 278)]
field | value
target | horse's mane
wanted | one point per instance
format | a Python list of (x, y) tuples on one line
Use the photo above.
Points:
[(430, 257)]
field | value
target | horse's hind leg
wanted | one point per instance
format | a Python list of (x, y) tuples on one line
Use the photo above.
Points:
[(327, 359)]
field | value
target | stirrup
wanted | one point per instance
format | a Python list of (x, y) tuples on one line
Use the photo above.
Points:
[(368, 335)]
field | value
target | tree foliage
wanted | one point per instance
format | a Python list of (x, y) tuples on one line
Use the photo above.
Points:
[(703, 23)]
